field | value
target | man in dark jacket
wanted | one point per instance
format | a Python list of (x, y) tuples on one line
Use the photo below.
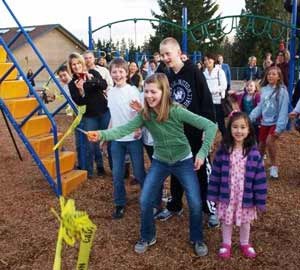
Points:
[(189, 88)]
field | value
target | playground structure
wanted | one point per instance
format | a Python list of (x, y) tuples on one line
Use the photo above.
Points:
[(257, 25), (22, 106)]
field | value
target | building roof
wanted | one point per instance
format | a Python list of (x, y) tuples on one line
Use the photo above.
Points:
[(36, 31)]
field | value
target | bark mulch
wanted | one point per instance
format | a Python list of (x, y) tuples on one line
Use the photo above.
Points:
[(28, 230)]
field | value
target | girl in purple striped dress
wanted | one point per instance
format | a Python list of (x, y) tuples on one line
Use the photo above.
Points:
[(238, 183)]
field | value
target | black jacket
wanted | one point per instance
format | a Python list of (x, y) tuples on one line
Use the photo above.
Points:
[(135, 80), (95, 101), (189, 88)]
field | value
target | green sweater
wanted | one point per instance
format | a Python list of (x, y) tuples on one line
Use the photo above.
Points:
[(170, 142)]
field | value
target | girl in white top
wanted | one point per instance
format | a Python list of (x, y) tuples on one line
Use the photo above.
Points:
[(217, 84), (118, 100)]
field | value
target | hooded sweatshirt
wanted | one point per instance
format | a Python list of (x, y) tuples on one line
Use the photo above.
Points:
[(189, 88), (273, 107)]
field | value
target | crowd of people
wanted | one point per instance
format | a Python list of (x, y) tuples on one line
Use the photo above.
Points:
[(172, 108)]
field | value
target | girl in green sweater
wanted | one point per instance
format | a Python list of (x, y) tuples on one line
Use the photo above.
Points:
[(172, 155)]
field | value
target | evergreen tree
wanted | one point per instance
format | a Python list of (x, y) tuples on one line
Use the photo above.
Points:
[(171, 10), (246, 43)]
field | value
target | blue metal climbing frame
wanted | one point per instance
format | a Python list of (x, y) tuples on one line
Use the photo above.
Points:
[(55, 185)]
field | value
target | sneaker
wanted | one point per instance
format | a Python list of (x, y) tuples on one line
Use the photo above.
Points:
[(119, 212), (156, 212), (165, 197), (200, 249), (274, 172), (224, 251), (166, 214), (101, 172), (141, 246), (213, 221), (248, 251)]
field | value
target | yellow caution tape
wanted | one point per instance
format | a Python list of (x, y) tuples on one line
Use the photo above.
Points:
[(81, 111), (54, 91), (57, 94), (69, 110), (74, 225)]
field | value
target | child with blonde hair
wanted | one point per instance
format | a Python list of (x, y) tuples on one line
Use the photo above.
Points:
[(248, 99), (172, 155)]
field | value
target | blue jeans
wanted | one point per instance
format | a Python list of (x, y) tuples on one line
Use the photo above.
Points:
[(93, 150), (118, 153), (80, 142), (159, 171)]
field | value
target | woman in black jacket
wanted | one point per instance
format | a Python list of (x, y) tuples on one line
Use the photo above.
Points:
[(86, 88)]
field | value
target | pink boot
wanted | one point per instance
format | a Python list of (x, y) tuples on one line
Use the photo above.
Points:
[(224, 251), (248, 251)]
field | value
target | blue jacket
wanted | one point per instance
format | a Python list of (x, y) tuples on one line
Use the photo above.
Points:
[(251, 73), (226, 69), (273, 108), (255, 187)]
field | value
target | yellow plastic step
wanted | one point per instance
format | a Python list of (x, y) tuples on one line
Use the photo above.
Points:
[(37, 125), (2, 55), (4, 67), (21, 107), (71, 180), (13, 89), (43, 144), (66, 161)]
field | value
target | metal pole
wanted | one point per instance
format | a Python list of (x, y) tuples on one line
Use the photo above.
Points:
[(292, 50), (12, 136), (184, 42), (91, 44), (135, 40)]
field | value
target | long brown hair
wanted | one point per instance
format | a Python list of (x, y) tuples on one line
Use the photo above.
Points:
[(162, 83), (280, 81)]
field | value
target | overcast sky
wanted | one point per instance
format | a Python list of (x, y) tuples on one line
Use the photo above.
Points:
[(73, 15)]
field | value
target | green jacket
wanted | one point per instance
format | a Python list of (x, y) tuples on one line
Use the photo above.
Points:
[(170, 142)]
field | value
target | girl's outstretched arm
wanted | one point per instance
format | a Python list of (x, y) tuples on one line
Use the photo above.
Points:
[(256, 112), (121, 131), (94, 136)]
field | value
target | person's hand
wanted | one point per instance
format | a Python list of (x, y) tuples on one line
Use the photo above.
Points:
[(293, 114), (230, 92), (93, 136), (198, 163), (136, 105), (137, 133), (79, 84)]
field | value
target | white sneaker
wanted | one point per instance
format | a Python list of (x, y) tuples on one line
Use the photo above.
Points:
[(274, 172)]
